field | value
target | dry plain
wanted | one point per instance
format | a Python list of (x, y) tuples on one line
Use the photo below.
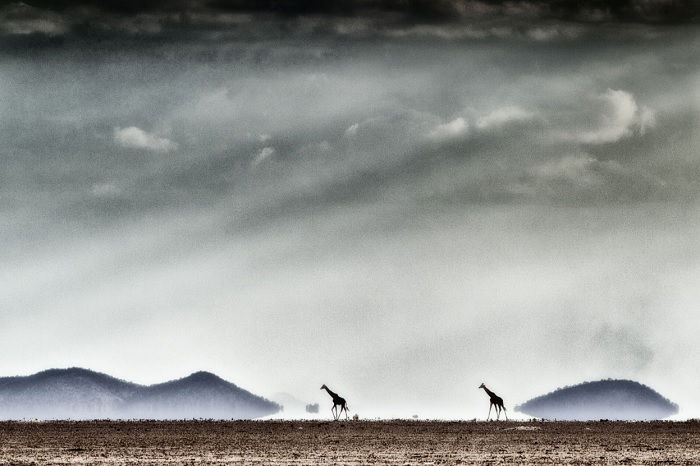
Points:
[(349, 442)]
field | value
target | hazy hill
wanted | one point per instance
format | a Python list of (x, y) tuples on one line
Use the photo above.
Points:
[(201, 394), (83, 394), (64, 393), (604, 399), (292, 407)]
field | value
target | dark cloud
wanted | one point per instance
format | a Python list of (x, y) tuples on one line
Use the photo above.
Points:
[(420, 11), (180, 20), (411, 10), (651, 11), (663, 11)]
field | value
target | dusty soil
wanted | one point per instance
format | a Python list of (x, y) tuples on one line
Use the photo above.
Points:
[(355, 442)]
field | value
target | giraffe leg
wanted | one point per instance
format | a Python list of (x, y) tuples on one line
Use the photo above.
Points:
[(333, 410), (504, 412), (489, 416), (346, 411)]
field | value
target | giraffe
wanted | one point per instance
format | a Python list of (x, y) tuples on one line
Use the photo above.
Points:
[(337, 401), (496, 401)]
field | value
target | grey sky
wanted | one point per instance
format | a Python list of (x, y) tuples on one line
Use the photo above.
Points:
[(398, 201)]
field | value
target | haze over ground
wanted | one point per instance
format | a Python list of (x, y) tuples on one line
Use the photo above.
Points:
[(400, 201)]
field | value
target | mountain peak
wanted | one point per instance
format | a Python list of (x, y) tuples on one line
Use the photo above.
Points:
[(203, 375), (68, 371)]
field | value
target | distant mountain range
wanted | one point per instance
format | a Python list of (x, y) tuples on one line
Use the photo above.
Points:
[(77, 393), (604, 399)]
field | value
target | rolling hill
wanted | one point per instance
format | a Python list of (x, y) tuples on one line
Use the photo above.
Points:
[(77, 393), (603, 399)]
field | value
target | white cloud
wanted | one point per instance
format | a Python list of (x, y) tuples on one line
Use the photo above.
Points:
[(263, 154), (581, 176), (22, 19), (619, 118), (136, 138), (550, 33), (455, 128), (503, 116), (647, 119), (352, 130), (581, 170)]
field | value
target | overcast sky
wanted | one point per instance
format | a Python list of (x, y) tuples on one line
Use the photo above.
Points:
[(400, 199)]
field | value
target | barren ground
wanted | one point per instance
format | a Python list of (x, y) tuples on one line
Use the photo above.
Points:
[(356, 442)]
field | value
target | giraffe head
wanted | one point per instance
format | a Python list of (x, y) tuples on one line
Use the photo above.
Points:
[(482, 386), (323, 386)]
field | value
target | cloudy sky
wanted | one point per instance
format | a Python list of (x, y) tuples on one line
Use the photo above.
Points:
[(400, 199)]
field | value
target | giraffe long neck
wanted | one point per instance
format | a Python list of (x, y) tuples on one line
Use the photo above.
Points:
[(333, 395), (489, 392)]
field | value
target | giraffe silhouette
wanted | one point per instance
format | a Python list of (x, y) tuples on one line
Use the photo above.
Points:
[(496, 401), (337, 401)]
